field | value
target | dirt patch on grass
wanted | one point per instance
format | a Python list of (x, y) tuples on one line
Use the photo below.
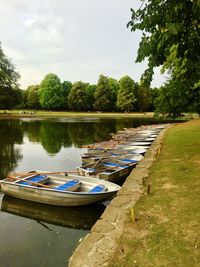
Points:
[(168, 186)]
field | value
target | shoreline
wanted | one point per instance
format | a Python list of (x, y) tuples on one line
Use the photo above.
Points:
[(36, 114)]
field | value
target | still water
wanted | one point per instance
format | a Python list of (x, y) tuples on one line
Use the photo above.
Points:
[(35, 235)]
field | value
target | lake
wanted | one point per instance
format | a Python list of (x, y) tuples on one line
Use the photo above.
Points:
[(39, 235)]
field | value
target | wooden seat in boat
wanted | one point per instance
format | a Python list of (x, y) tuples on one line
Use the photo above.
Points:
[(98, 188), (34, 179), (71, 185)]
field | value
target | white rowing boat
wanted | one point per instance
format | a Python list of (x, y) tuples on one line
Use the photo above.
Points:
[(59, 190)]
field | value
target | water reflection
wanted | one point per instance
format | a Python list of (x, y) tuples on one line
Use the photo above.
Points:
[(11, 134), (71, 217)]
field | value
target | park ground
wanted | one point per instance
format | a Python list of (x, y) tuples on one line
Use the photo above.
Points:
[(166, 229), (43, 113)]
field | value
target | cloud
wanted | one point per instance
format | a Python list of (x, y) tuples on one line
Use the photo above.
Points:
[(77, 40)]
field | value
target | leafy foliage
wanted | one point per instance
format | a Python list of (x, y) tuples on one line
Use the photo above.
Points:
[(67, 86), (114, 87), (170, 102), (143, 98), (90, 90), (32, 100), (8, 74), (9, 93), (51, 92), (171, 38), (104, 95), (126, 96), (78, 98)]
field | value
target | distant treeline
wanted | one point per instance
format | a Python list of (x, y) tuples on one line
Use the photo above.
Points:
[(107, 95)]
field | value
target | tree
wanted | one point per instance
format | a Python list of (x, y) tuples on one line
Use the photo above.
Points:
[(32, 100), (90, 90), (170, 102), (114, 87), (51, 92), (78, 99), (8, 82), (143, 97), (67, 86), (154, 94), (126, 97), (171, 37), (103, 96)]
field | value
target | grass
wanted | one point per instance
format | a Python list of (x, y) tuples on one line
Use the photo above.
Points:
[(166, 231), (42, 113)]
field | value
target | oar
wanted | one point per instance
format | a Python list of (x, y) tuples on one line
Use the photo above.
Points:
[(35, 172), (31, 183), (97, 162)]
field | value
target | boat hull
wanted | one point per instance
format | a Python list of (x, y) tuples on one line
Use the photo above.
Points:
[(114, 175), (56, 198)]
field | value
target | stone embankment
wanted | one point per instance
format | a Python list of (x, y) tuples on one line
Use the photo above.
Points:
[(97, 248)]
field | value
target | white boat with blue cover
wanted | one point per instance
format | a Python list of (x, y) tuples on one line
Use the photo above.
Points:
[(95, 157), (112, 169), (58, 189), (120, 150)]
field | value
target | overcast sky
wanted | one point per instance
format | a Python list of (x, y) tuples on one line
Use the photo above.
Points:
[(75, 39)]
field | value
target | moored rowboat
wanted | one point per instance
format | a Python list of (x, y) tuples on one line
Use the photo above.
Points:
[(59, 190), (113, 170), (94, 157)]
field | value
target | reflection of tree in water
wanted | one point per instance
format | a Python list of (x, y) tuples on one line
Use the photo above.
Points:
[(51, 137), (10, 134), (53, 134), (32, 128)]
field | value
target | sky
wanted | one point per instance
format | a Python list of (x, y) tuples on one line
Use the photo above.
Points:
[(76, 39)]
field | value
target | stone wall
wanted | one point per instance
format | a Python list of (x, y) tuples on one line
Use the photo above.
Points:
[(98, 246)]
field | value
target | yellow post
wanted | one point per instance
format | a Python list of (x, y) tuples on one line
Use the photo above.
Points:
[(132, 215)]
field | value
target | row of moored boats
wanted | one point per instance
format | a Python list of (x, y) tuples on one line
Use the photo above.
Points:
[(105, 165)]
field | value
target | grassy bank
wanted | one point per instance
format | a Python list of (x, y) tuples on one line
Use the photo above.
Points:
[(166, 231), (41, 113)]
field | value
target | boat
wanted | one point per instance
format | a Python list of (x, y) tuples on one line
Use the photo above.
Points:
[(113, 170), (132, 145), (83, 217), (131, 157), (120, 150), (58, 189), (142, 139), (138, 143), (94, 157)]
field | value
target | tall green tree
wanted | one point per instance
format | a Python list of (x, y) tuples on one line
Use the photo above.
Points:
[(8, 82), (126, 94), (67, 86), (169, 102), (143, 97), (103, 96), (51, 92), (78, 99), (154, 94), (171, 38), (114, 87), (90, 90), (32, 100)]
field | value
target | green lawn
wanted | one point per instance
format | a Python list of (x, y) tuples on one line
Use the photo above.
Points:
[(167, 227), (70, 114)]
